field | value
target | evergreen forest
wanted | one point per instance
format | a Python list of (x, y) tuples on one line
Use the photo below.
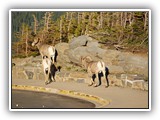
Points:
[(119, 30)]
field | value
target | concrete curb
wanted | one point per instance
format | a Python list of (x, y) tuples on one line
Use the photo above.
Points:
[(100, 102)]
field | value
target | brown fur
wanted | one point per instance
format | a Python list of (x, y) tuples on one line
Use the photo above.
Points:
[(44, 49), (93, 67), (47, 68)]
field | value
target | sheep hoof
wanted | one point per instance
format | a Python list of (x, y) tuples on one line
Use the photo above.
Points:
[(53, 80), (90, 84), (47, 82), (106, 86), (95, 85)]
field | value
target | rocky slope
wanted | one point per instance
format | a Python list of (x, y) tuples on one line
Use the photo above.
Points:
[(121, 65)]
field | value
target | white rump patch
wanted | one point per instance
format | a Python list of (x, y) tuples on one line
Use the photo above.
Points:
[(51, 50), (101, 65)]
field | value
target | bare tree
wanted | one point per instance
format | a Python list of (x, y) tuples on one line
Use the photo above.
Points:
[(145, 20), (100, 19), (35, 24), (70, 21), (78, 16), (60, 29), (26, 41)]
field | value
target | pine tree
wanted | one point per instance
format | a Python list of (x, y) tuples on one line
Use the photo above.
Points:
[(116, 28)]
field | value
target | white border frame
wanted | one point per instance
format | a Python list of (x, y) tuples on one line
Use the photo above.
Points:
[(87, 10)]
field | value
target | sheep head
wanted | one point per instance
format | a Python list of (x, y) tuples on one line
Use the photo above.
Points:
[(36, 41), (85, 60)]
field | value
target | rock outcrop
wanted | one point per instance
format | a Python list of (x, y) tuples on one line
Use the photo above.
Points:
[(118, 62), (68, 59)]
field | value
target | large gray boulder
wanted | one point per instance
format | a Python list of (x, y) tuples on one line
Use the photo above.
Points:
[(83, 46), (118, 62), (61, 47), (83, 40), (135, 63), (126, 62), (62, 57)]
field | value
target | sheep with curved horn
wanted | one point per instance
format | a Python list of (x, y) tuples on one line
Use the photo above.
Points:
[(94, 68), (45, 50)]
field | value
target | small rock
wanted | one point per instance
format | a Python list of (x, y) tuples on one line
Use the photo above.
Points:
[(17, 105), (80, 80)]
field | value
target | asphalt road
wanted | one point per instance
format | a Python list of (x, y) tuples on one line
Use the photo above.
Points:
[(32, 100), (121, 97)]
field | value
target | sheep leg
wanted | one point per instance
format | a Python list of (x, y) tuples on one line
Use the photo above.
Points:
[(46, 79), (95, 83), (52, 78), (91, 82), (46, 76), (52, 73), (52, 59), (106, 79)]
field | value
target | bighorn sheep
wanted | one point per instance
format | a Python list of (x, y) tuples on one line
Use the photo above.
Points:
[(94, 68), (47, 68), (45, 50)]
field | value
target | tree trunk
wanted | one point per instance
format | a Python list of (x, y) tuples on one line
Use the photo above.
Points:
[(101, 19), (121, 18), (48, 19), (130, 18), (67, 15), (125, 19), (60, 29), (45, 21), (17, 48), (35, 24), (26, 42), (145, 20), (86, 30), (69, 24), (78, 18)]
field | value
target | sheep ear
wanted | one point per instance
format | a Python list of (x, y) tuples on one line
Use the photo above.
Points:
[(82, 58), (88, 58)]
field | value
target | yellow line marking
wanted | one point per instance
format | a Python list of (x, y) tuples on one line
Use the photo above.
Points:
[(101, 101)]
